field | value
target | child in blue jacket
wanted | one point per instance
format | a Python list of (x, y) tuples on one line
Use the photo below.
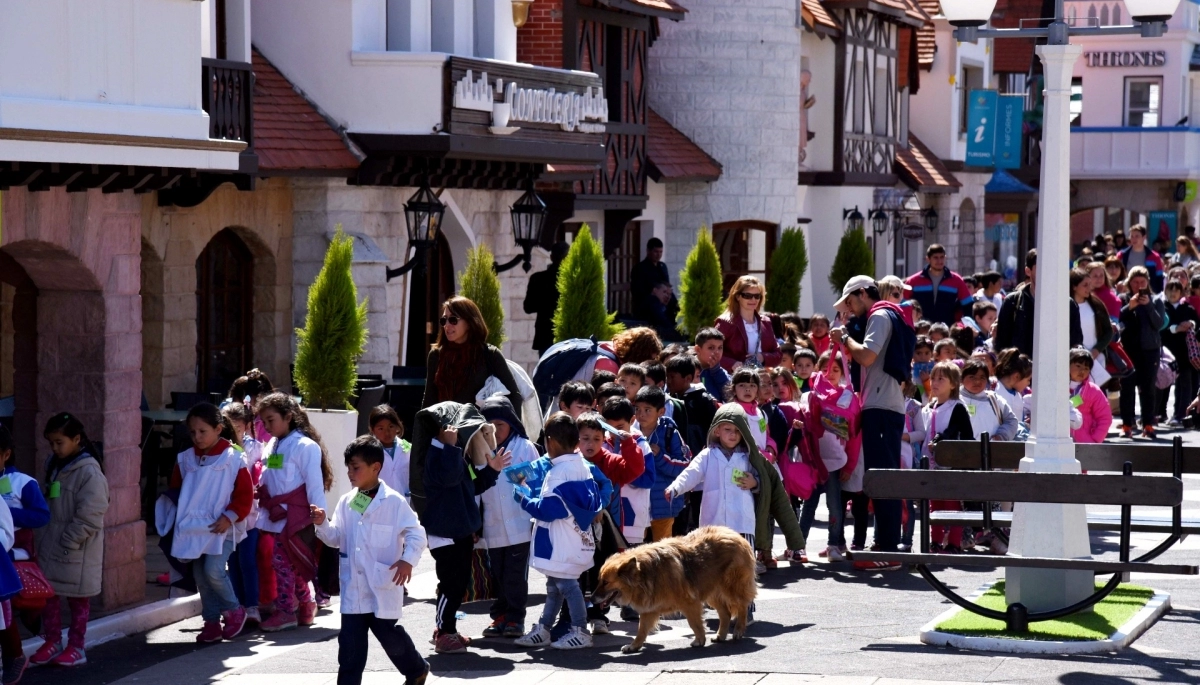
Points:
[(671, 456)]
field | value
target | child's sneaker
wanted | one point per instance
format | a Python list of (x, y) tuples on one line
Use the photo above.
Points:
[(600, 627), (46, 653), (538, 636), (767, 560), (307, 613), (1149, 433), (12, 674), (577, 638), (1127, 432), (163, 578), (210, 633), (512, 630), (73, 656), (419, 680), (279, 621), (235, 622), (450, 643), (253, 615), (834, 554), (496, 629)]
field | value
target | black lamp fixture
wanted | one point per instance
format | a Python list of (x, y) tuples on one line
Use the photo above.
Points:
[(879, 221), (528, 220), (853, 218), (423, 214), (931, 219)]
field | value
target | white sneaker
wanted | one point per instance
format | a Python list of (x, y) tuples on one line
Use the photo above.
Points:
[(835, 554), (600, 627), (759, 568), (576, 638), (537, 637), (253, 614)]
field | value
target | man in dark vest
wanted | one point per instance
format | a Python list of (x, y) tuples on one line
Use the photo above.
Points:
[(647, 274), (541, 298)]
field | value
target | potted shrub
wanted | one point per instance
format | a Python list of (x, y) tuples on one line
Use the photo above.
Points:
[(582, 309), (701, 296), (788, 264), (479, 283), (327, 352), (853, 258)]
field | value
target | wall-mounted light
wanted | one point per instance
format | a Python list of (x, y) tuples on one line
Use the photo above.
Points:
[(520, 9), (423, 214), (853, 218), (931, 219), (528, 219), (879, 221)]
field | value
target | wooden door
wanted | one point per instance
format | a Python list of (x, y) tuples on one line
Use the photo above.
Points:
[(745, 248), (224, 308)]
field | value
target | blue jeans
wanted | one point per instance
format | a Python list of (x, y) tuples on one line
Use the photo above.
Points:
[(243, 570), (882, 429), (559, 590), (216, 592), (837, 509)]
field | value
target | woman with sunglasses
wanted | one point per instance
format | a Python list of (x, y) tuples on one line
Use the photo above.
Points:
[(749, 336), (461, 362)]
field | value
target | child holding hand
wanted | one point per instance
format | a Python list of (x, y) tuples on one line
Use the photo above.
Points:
[(381, 541)]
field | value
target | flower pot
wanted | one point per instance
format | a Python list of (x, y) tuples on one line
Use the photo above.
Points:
[(338, 428)]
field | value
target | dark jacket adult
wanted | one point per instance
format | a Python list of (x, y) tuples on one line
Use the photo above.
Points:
[(1176, 341), (645, 275), (541, 299), (1014, 325), (1104, 327), (737, 345), (1142, 325), (488, 362), (445, 479)]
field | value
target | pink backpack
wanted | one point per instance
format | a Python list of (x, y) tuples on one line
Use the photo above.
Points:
[(839, 409), (800, 475)]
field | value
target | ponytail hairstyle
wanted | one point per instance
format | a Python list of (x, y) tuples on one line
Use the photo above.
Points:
[(1011, 361), (254, 384), (66, 424), (284, 405)]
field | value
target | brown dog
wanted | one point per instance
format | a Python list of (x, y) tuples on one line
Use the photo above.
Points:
[(712, 565)]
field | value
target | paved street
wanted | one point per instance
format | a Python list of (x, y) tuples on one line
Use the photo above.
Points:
[(822, 620)]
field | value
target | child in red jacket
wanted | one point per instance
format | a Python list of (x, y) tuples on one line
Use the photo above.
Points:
[(1089, 399)]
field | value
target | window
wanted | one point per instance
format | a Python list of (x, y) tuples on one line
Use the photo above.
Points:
[(883, 99), (972, 79), (1077, 101), (1143, 98), (744, 247)]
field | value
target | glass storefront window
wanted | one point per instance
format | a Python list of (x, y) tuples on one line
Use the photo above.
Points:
[(1143, 98)]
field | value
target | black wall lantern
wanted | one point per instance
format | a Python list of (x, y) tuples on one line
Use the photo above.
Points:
[(853, 218), (528, 219), (879, 221), (423, 214), (931, 219)]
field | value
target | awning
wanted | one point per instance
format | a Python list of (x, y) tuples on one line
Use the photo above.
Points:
[(673, 156), (922, 170), (1006, 183)]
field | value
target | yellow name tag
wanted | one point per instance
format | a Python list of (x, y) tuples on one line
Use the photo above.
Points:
[(737, 475), (5, 486), (1076, 401), (360, 503)]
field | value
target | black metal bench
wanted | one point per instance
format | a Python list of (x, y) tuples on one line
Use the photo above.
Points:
[(985, 454), (1126, 491)]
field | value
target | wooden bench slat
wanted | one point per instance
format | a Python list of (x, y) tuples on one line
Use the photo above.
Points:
[(1059, 488), (964, 454), (1003, 519), (1028, 562)]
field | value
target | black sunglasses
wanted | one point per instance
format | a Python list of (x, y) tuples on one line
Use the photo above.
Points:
[(452, 320), (750, 296)]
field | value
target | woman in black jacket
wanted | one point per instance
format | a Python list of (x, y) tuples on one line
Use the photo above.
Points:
[(1090, 326), (461, 362), (1143, 316)]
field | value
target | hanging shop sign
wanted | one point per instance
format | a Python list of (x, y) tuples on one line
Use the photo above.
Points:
[(913, 231), (994, 129), (1126, 58)]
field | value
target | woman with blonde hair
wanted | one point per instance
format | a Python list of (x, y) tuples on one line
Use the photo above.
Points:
[(462, 360), (749, 336), (1186, 253)]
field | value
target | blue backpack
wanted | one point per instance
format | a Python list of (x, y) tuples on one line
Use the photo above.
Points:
[(560, 364)]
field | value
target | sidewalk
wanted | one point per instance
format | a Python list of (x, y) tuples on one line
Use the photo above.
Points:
[(563, 677)]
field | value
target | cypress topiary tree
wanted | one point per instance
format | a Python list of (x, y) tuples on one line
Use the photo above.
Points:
[(335, 331), (854, 258), (582, 311), (788, 264), (700, 288), (479, 283)]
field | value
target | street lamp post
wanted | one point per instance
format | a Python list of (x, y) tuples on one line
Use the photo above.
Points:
[(1052, 530)]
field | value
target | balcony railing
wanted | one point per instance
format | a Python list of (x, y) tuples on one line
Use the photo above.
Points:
[(228, 98), (1168, 152)]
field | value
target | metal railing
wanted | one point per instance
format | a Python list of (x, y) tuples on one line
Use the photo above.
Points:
[(228, 98)]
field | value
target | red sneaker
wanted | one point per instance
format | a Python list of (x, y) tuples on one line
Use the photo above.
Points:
[(877, 566), (211, 632), (279, 621), (451, 643), (307, 613), (73, 656), (235, 622), (46, 653), (164, 578)]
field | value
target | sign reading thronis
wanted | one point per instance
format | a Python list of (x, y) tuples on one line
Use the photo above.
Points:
[(1126, 58), (498, 98)]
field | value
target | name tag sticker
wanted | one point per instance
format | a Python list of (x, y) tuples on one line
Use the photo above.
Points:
[(55, 490), (360, 503), (5, 486), (971, 409), (1076, 400), (275, 461), (737, 475)]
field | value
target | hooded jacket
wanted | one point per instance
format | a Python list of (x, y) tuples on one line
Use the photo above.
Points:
[(771, 503), (504, 523), (563, 511), (446, 478), (669, 461)]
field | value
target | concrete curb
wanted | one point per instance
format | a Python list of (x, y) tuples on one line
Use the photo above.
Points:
[(131, 622), (1137, 624)]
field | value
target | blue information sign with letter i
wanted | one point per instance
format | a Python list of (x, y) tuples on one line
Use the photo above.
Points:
[(981, 127), (1010, 115)]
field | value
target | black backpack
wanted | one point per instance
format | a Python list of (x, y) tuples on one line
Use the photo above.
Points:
[(560, 363)]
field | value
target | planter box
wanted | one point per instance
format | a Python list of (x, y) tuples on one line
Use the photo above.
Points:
[(338, 428)]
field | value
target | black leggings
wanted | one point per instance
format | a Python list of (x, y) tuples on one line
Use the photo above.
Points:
[(1141, 382), (453, 568), (859, 509)]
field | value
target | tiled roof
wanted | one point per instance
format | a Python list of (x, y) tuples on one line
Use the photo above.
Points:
[(926, 35), (658, 8), (922, 171), (907, 11), (1014, 54), (673, 156), (817, 18), (289, 134)]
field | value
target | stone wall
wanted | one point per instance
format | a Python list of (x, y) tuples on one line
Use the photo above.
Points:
[(964, 239), (82, 252), (172, 238)]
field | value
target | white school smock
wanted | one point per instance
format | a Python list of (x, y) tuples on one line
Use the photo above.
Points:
[(638, 499), (724, 503), (17, 482), (369, 543), (208, 484), (505, 523), (301, 466), (395, 468)]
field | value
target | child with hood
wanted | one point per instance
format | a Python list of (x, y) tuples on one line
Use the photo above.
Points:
[(506, 529)]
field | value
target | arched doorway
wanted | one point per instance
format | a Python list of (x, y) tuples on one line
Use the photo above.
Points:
[(745, 248), (427, 292), (225, 311)]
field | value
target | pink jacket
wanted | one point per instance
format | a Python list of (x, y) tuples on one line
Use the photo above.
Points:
[(1097, 414), (1111, 302)]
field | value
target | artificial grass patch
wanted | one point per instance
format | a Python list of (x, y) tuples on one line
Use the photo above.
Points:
[(1104, 620)]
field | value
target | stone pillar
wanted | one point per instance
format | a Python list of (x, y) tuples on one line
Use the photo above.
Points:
[(1052, 530)]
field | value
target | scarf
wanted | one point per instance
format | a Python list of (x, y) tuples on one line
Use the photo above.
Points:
[(455, 364)]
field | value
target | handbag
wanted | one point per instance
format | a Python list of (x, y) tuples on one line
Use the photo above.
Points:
[(35, 589), (1117, 361), (1193, 348), (1167, 370)]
